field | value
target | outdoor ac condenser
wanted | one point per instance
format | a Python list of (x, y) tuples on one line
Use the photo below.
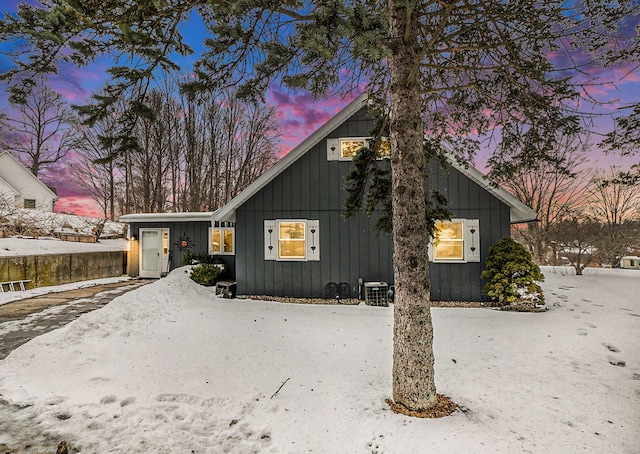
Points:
[(375, 294)]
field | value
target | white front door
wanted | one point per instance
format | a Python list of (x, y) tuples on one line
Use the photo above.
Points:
[(154, 252)]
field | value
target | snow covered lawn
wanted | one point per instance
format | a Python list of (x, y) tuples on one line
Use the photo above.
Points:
[(170, 368)]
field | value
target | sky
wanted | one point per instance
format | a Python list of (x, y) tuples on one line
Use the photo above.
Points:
[(170, 367), (298, 113)]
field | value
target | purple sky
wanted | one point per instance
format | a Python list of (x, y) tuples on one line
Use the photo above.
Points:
[(299, 115)]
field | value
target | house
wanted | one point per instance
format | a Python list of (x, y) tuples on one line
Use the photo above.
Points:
[(19, 188), (289, 237), (630, 262)]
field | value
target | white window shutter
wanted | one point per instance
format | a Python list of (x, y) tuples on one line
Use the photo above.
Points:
[(472, 240), (270, 239), (333, 149), (430, 250), (313, 240)]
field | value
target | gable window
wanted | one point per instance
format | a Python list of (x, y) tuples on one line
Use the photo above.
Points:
[(345, 148), (456, 241), (222, 240), (349, 148), (29, 203), (292, 240)]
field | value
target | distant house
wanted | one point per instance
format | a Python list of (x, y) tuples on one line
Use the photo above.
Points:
[(286, 236), (19, 188), (630, 262)]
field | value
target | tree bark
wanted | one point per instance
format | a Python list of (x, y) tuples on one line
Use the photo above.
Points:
[(413, 373)]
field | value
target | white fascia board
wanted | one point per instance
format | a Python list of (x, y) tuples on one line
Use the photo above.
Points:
[(518, 211), (54, 196), (167, 217), (228, 212)]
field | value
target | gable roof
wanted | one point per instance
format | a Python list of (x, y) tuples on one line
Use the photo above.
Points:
[(519, 212), (4, 183), (28, 172)]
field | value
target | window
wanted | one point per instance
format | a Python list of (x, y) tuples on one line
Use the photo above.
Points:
[(222, 240), (345, 148), (449, 241), (456, 241), (349, 148), (29, 203), (292, 240)]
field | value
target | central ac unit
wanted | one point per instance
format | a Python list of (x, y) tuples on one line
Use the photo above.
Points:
[(375, 294)]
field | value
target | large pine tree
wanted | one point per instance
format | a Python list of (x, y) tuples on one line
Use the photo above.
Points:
[(452, 69)]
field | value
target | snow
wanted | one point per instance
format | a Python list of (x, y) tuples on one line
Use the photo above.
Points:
[(170, 367), (16, 246), (9, 297)]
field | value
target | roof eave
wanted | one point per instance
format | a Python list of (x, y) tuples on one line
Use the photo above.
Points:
[(228, 211)]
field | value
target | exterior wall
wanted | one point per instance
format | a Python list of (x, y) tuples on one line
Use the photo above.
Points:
[(56, 269), (196, 232), (630, 263), (19, 178), (313, 188)]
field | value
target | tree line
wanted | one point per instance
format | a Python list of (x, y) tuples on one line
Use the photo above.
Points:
[(192, 152)]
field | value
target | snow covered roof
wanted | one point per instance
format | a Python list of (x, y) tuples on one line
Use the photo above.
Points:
[(167, 217), (519, 212)]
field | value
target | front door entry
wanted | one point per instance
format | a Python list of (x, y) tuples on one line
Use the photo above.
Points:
[(154, 252)]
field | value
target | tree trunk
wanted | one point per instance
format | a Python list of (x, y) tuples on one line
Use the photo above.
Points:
[(413, 374)]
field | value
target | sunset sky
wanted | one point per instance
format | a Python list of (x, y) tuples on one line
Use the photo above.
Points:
[(298, 114)]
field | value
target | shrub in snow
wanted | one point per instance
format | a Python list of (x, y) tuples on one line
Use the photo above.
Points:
[(205, 273), (511, 274)]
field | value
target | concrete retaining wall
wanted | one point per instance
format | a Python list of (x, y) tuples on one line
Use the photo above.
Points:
[(56, 269)]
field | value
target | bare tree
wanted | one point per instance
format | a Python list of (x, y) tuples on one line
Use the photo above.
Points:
[(614, 200), (41, 131), (613, 197), (553, 188), (577, 239)]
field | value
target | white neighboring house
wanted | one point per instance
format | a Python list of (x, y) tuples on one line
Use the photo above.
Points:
[(630, 262), (20, 186)]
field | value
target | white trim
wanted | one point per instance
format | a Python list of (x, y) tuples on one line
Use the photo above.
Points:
[(222, 229), (518, 211), (167, 217), (304, 241), (462, 240), (53, 194), (228, 212)]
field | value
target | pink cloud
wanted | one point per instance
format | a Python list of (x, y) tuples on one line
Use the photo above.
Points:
[(299, 115), (80, 205)]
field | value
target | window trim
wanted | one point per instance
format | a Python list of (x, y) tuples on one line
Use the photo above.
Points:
[(221, 231), (461, 240), (365, 141), (304, 241), (334, 147)]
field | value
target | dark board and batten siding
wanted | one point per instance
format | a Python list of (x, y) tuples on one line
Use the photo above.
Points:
[(313, 188), (197, 232)]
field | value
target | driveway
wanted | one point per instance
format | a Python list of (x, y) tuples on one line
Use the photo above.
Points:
[(22, 320)]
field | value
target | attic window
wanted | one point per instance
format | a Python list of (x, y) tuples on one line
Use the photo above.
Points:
[(29, 203), (349, 148), (346, 148)]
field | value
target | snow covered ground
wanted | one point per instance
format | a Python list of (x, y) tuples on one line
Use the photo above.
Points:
[(170, 368), (37, 246)]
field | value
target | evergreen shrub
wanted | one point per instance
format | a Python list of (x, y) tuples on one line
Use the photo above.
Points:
[(206, 274), (511, 274)]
